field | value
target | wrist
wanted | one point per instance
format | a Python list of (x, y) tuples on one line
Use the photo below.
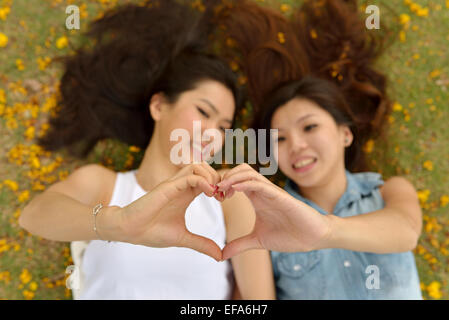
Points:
[(330, 239), (110, 225)]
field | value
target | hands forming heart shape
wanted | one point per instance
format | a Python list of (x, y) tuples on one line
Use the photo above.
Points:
[(283, 223)]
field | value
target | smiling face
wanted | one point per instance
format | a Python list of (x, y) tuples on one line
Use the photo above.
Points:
[(209, 102), (311, 144)]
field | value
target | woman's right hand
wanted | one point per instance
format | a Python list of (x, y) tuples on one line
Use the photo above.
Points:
[(158, 218)]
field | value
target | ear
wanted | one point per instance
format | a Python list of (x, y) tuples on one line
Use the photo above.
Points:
[(156, 105), (347, 136)]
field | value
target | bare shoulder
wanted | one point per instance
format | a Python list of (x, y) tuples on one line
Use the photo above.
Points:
[(90, 184), (397, 187)]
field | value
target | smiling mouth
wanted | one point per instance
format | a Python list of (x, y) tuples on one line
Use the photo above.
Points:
[(303, 163)]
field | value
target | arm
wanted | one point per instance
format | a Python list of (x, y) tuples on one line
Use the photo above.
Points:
[(64, 211), (395, 228), (252, 269)]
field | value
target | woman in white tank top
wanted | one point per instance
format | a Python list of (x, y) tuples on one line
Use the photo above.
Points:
[(148, 79), (120, 270)]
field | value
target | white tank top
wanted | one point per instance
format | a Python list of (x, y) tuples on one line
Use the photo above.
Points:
[(119, 270)]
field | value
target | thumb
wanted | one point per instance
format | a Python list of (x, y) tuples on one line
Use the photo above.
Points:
[(201, 244), (240, 245)]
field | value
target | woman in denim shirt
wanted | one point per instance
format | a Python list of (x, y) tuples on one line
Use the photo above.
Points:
[(333, 234)]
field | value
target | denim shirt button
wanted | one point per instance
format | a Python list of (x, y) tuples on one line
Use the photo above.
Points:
[(347, 264), (296, 267)]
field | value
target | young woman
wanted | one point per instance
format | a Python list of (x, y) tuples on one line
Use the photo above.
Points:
[(335, 234), (148, 74)]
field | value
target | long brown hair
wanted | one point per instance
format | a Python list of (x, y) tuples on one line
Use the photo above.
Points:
[(327, 39), (138, 50), (259, 40)]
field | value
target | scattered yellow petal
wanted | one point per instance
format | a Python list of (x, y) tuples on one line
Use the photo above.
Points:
[(428, 165), (3, 40), (433, 289), (369, 146), (285, 8), (33, 286), (11, 184), (4, 13), (281, 37), (28, 295), (62, 42), (25, 276), (19, 64), (402, 36), (435, 73), (24, 196), (424, 12), (404, 19), (423, 195), (397, 107), (444, 200)]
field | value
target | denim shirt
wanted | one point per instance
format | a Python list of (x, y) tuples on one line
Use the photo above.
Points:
[(345, 274)]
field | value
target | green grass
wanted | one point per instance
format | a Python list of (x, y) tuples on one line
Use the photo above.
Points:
[(33, 30)]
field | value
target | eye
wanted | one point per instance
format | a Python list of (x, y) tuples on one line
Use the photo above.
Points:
[(280, 139), (204, 113), (310, 127)]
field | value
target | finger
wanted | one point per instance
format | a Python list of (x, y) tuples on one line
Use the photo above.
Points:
[(216, 178), (240, 245), (239, 168), (198, 169), (201, 170), (240, 177), (198, 183), (261, 188), (201, 244), (230, 193)]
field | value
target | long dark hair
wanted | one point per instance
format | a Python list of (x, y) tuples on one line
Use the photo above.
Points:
[(137, 51), (327, 39)]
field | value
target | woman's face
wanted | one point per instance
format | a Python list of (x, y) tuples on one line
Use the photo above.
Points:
[(310, 144), (210, 103)]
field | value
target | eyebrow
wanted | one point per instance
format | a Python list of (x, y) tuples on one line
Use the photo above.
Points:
[(300, 119), (213, 108)]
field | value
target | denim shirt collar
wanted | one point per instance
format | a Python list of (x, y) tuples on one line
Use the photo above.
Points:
[(358, 186)]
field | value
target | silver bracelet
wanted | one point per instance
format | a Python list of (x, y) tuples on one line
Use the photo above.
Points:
[(95, 212)]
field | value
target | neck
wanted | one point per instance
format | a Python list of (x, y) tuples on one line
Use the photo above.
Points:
[(154, 168), (327, 194)]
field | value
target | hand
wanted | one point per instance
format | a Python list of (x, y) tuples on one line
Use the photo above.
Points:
[(158, 218), (283, 223)]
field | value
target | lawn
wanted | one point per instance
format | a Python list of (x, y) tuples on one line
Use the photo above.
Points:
[(33, 32)]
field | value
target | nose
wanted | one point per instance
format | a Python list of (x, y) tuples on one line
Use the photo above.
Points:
[(297, 144)]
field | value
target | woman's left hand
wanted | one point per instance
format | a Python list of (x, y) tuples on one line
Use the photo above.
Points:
[(283, 223)]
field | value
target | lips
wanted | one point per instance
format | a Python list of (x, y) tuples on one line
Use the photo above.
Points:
[(303, 164)]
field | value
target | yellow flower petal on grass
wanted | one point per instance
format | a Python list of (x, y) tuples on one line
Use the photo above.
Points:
[(397, 107), (3, 40), (433, 289), (4, 13), (423, 195), (62, 42), (444, 200), (428, 165)]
